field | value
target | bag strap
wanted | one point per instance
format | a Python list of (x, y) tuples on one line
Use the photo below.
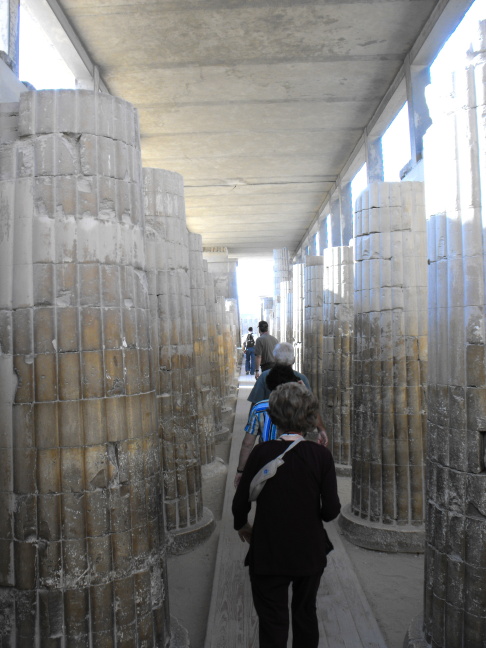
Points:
[(292, 445)]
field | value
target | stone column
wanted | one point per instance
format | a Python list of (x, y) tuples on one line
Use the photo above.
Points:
[(280, 274), (268, 312), (313, 325), (387, 509), (82, 558), (298, 313), (187, 522), (286, 325), (221, 432), (204, 394), (455, 168), (213, 469), (337, 380)]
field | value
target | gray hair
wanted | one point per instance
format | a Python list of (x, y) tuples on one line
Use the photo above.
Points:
[(284, 353), (293, 408)]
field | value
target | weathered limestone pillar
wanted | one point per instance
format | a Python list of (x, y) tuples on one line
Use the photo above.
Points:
[(223, 270), (202, 371), (268, 313), (387, 509), (337, 375), (82, 558), (213, 469), (313, 325), (221, 432), (188, 523), (298, 314), (286, 324), (281, 269), (455, 168)]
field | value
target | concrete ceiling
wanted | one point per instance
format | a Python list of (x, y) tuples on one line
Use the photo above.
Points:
[(258, 104)]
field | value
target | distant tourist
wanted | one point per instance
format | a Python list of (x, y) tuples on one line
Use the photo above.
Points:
[(249, 352), (264, 347)]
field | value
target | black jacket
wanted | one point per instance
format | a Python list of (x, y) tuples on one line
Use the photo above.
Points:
[(288, 535)]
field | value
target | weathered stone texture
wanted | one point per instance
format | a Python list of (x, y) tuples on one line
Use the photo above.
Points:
[(313, 323), (338, 321), (455, 592), (202, 370), (82, 546), (281, 273), (389, 373), (298, 313), (169, 278)]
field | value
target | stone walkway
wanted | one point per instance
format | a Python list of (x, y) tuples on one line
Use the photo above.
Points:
[(345, 617)]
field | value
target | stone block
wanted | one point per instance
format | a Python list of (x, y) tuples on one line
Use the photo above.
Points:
[(24, 472), (24, 372), (69, 376), (49, 470), (92, 374), (76, 606), (95, 467), (97, 513), (72, 470), (73, 517), (45, 371)]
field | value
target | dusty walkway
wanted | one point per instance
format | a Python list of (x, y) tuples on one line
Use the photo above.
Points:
[(366, 598)]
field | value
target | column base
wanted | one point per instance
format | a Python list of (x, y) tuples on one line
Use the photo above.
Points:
[(221, 435), (343, 470), (381, 537), (214, 477), (181, 541), (415, 635)]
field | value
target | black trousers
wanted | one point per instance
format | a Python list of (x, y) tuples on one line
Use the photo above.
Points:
[(270, 597)]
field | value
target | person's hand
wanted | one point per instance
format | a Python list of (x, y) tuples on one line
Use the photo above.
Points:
[(322, 438), (257, 374), (237, 479), (245, 533)]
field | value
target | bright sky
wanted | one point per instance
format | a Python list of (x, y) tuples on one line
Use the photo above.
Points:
[(39, 61), (255, 280)]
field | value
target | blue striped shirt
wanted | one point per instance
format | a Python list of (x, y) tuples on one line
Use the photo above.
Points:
[(259, 422)]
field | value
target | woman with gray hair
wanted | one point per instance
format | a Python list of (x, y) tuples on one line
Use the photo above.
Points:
[(288, 541)]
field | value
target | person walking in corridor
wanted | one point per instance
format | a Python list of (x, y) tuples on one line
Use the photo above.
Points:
[(264, 347), (249, 351), (288, 541)]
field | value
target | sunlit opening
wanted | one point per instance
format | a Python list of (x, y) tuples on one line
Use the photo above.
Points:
[(40, 64), (255, 279), (395, 144)]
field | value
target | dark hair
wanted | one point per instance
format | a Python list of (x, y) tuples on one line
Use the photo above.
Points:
[(263, 326), (293, 408), (280, 374), (250, 328)]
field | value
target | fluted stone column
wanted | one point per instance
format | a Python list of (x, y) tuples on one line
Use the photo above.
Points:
[(455, 168), (213, 469), (268, 312), (286, 323), (188, 522), (204, 395), (281, 269), (298, 313), (337, 380), (221, 432), (313, 325), (82, 558), (389, 409)]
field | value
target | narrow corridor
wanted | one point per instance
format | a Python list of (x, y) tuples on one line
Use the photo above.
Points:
[(345, 616)]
